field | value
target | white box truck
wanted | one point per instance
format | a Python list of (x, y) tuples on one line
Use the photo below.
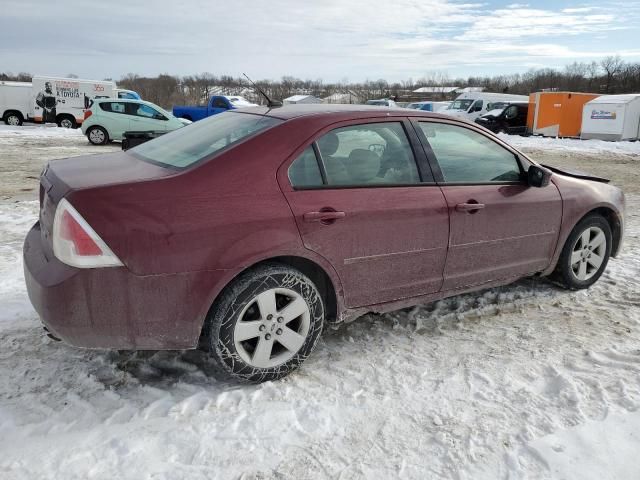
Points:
[(53, 99), (470, 105), (612, 117)]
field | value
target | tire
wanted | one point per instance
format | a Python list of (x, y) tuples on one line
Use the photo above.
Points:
[(13, 119), (98, 136), (67, 122), (244, 341), (585, 254)]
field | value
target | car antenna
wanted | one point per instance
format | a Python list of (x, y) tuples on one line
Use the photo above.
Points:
[(270, 103)]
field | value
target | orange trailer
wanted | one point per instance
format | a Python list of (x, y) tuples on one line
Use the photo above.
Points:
[(557, 114)]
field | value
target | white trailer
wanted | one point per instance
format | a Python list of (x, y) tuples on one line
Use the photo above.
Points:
[(471, 105), (15, 101), (612, 117)]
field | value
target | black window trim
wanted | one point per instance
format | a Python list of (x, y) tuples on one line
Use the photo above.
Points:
[(420, 159), (435, 166)]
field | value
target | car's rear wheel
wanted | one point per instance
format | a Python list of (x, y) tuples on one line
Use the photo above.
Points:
[(265, 324), (585, 254), (98, 136), (67, 121)]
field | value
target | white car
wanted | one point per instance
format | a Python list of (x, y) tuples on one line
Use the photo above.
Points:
[(109, 118)]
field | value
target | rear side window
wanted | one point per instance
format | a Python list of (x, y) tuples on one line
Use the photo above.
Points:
[(186, 146), (113, 107), (368, 154), (304, 171), (465, 156)]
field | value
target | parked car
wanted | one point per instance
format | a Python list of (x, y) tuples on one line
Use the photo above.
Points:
[(108, 119), (509, 118), (251, 230), (471, 105), (216, 104), (383, 102), (429, 106)]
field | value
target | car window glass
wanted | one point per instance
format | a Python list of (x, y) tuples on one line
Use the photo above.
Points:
[(114, 107), (477, 106), (146, 111), (511, 112), (374, 153), (466, 156), (304, 171), (219, 103), (186, 146)]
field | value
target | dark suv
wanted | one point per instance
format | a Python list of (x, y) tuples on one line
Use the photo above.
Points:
[(510, 118)]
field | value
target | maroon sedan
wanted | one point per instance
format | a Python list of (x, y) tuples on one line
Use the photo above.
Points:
[(246, 232)]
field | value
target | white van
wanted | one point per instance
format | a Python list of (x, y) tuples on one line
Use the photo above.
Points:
[(54, 99), (471, 105)]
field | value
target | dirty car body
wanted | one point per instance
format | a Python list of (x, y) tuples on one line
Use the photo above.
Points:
[(380, 208)]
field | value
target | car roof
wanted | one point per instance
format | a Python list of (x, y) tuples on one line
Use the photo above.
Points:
[(342, 111), (125, 100)]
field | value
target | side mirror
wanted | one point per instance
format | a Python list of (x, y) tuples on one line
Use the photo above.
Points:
[(538, 177)]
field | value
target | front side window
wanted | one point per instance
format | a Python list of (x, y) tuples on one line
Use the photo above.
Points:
[(219, 103), (369, 154), (186, 146), (142, 110), (477, 106), (465, 156)]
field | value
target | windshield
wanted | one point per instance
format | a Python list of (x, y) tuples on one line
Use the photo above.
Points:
[(186, 146), (414, 105), (383, 103), (460, 105)]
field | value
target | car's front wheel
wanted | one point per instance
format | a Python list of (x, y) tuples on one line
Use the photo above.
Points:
[(13, 119), (98, 136), (585, 254), (265, 324)]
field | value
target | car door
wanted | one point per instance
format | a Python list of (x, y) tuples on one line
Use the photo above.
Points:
[(364, 198), (500, 226), (145, 118)]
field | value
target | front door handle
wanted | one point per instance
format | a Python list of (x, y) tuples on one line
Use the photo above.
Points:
[(470, 207), (325, 217)]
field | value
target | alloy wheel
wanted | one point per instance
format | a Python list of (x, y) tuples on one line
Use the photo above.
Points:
[(272, 328), (588, 253)]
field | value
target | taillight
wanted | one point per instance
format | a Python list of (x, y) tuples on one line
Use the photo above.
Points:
[(76, 243), (87, 114)]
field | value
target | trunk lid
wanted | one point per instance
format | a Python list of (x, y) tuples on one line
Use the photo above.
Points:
[(60, 177)]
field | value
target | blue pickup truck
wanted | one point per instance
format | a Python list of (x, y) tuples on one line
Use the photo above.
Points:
[(216, 104)]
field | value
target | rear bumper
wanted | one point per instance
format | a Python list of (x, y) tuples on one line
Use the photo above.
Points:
[(113, 308)]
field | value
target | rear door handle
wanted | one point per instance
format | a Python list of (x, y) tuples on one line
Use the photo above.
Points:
[(328, 216), (470, 207)]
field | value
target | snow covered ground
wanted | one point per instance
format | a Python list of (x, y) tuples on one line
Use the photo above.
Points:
[(571, 144), (526, 381)]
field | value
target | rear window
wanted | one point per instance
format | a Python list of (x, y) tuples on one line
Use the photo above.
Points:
[(186, 146)]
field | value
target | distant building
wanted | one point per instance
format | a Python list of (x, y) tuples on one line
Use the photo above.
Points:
[(297, 99)]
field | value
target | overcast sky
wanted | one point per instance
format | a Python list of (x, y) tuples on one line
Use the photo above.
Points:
[(333, 40)]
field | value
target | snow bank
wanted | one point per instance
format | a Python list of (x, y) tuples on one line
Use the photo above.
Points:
[(571, 144), (526, 381)]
